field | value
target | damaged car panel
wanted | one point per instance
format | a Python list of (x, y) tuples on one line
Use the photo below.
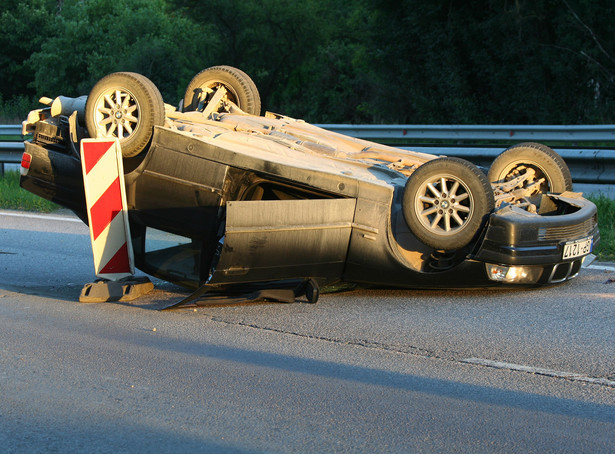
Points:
[(221, 196)]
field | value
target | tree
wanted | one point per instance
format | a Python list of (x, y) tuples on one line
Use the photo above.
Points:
[(498, 61), (25, 25), (271, 40), (366, 61), (96, 37)]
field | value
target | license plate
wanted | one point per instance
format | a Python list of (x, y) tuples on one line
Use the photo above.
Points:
[(577, 248)]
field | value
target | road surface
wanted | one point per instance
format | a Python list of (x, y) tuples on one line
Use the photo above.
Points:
[(361, 371)]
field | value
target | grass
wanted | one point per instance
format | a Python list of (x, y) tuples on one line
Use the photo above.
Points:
[(606, 222), (12, 197)]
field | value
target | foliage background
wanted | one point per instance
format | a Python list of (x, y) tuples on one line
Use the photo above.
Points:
[(360, 61)]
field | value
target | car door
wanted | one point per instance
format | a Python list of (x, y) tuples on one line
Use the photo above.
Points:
[(284, 239)]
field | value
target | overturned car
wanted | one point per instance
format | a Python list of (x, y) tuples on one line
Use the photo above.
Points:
[(219, 196)]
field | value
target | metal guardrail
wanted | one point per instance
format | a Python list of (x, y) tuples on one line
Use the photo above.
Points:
[(519, 133), (595, 166), (588, 164), (10, 151), (10, 130)]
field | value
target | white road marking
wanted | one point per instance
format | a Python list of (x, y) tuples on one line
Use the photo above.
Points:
[(40, 216), (540, 371), (601, 267)]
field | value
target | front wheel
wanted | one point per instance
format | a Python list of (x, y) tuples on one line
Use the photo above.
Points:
[(126, 106), (446, 203), (544, 170)]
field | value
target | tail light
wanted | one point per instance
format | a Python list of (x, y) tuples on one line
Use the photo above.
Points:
[(26, 159)]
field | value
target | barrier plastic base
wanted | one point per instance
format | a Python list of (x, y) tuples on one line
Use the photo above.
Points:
[(126, 289)]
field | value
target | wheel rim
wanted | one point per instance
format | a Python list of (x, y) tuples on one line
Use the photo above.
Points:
[(117, 114), (444, 205)]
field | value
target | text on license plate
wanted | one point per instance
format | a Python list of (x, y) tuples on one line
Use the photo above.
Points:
[(577, 248)]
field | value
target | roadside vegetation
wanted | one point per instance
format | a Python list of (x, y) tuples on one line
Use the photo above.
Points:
[(12, 197), (606, 222), (329, 61)]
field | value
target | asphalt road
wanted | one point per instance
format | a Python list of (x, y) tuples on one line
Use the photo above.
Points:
[(361, 371)]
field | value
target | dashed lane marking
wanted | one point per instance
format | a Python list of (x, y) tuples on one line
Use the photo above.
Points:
[(540, 371), (601, 267), (40, 216)]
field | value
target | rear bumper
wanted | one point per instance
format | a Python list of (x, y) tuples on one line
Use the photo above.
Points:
[(55, 176)]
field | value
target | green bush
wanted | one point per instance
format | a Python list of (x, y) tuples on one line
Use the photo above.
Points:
[(15, 110), (606, 221)]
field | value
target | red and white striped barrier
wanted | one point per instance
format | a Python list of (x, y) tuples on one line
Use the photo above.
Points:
[(103, 178)]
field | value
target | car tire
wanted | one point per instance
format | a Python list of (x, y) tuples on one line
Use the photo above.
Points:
[(446, 202), (546, 163), (126, 106), (241, 90)]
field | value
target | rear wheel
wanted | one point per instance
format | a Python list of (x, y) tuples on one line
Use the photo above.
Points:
[(126, 106), (446, 202), (545, 164), (241, 90)]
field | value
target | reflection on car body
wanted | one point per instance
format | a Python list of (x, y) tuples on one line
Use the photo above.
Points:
[(220, 196)]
